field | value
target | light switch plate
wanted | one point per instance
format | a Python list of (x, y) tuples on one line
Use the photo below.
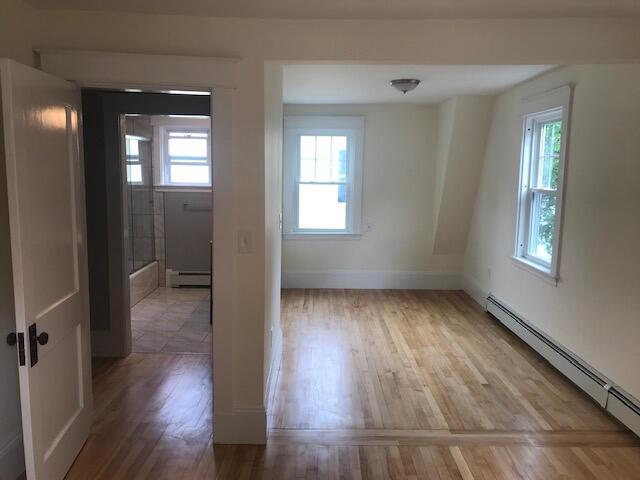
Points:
[(245, 241)]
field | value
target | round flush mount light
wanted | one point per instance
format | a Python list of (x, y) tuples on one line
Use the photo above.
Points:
[(404, 85)]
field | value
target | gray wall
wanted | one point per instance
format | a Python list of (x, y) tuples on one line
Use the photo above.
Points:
[(188, 230)]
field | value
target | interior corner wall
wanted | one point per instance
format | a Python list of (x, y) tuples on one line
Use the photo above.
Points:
[(593, 311), (463, 125), (273, 209), (397, 201), (446, 117)]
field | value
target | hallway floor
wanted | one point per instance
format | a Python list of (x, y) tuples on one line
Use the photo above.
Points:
[(172, 320), (373, 385)]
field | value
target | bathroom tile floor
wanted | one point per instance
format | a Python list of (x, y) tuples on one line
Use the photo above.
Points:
[(172, 320)]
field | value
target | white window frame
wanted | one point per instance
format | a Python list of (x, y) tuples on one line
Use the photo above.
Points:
[(296, 126), (550, 106), (162, 126)]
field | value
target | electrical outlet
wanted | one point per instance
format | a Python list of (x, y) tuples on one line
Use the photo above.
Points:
[(245, 241)]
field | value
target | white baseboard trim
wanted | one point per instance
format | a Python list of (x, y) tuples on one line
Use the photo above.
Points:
[(474, 290), (246, 426), (372, 279), (12, 458)]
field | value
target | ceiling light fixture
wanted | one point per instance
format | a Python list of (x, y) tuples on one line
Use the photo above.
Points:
[(404, 85)]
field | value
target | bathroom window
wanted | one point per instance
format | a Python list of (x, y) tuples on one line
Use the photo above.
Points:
[(544, 140), (187, 159)]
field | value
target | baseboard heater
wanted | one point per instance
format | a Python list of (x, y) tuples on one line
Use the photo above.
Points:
[(611, 397), (175, 278)]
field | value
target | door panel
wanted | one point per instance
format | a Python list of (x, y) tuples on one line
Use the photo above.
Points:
[(41, 115)]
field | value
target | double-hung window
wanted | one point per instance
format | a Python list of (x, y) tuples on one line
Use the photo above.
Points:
[(182, 151), (546, 125), (322, 186), (186, 159)]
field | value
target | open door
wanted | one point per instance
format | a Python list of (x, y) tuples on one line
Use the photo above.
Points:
[(45, 185)]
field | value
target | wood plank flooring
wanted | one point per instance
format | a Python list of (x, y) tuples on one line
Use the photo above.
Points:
[(373, 385)]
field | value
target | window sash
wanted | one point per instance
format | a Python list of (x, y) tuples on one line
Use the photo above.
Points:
[(348, 182), (532, 229)]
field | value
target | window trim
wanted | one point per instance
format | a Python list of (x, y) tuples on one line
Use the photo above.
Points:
[(166, 158), (353, 128), (536, 108), (162, 125)]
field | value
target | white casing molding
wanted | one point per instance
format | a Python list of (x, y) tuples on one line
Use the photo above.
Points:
[(132, 70), (372, 279), (170, 72)]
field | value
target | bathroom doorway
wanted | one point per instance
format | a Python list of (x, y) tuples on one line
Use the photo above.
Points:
[(167, 237)]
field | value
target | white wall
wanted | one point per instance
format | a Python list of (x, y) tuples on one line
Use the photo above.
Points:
[(595, 309), (398, 182), (273, 233), (463, 124), (501, 41)]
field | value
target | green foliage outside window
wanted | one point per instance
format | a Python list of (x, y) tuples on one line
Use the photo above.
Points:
[(551, 134)]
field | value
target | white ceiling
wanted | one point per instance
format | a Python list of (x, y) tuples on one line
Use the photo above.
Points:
[(335, 84), (361, 9)]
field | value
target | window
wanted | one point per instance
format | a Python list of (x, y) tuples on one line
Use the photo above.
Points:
[(187, 157), (182, 150), (323, 175), (541, 180), (134, 166)]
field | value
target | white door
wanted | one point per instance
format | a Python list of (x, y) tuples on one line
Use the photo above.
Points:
[(45, 186)]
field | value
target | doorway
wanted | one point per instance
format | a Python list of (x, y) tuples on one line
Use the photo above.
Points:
[(148, 175), (168, 229)]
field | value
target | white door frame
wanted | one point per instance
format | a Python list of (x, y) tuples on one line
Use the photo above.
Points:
[(167, 72)]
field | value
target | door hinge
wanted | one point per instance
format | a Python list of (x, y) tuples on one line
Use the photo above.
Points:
[(17, 339)]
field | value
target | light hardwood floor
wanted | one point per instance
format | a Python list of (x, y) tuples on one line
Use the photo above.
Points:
[(373, 384)]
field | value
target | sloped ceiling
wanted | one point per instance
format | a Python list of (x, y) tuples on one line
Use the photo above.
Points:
[(361, 9)]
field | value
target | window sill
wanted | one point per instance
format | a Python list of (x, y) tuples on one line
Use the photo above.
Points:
[(321, 236), (180, 188), (536, 269)]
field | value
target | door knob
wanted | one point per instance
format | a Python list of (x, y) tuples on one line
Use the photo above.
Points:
[(36, 338), (12, 339)]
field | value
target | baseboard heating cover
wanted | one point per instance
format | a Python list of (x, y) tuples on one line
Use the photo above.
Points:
[(611, 397), (176, 278)]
